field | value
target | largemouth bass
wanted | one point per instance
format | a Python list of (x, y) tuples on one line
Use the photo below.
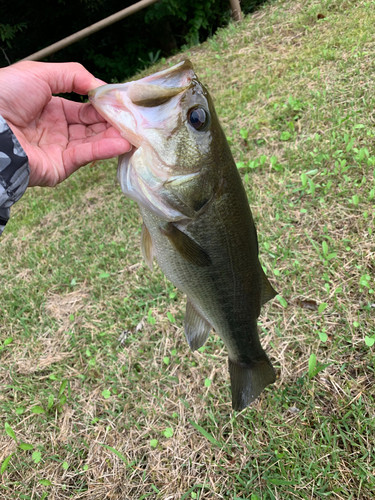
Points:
[(197, 222)]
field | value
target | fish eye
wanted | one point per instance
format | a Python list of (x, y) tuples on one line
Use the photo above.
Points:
[(198, 118)]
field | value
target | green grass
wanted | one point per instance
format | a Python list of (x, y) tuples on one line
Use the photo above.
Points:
[(143, 417)]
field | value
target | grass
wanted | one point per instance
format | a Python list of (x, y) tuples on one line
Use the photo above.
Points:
[(101, 397)]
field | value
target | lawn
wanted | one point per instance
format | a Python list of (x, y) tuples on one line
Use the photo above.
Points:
[(101, 397)]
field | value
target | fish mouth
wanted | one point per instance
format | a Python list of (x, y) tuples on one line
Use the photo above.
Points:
[(119, 103)]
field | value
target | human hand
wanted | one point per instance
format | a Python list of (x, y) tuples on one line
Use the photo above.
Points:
[(58, 135)]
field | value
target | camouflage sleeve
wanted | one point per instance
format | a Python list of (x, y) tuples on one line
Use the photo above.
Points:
[(14, 171)]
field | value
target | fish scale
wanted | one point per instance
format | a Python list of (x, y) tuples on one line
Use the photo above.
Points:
[(197, 222)]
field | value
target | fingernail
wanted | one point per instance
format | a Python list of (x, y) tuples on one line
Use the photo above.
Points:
[(100, 81), (96, 82)]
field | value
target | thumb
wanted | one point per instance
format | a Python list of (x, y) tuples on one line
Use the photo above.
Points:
[(63, 77)]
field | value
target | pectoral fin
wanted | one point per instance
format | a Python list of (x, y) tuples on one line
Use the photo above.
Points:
[(185, 246), (197, 329), (146, 246), (268, 291)]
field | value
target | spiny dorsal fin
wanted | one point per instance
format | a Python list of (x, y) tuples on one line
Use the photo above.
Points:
[(185, 246), (197, 329), (146, 246), (268, 291)]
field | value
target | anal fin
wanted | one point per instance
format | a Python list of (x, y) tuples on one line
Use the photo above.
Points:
[(146, 246), (197, 329), (249, 380)]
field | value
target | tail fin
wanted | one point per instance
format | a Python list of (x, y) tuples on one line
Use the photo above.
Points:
[(249, 380)]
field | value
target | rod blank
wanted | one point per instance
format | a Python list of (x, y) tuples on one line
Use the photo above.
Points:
[(51, 49)]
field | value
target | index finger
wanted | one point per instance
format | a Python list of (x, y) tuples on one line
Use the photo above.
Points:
[(70, 77)]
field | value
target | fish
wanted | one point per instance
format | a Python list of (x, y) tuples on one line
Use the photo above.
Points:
[(197, 222)]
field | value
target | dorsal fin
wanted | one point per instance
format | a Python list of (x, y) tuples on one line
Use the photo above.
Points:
[(268, 291)]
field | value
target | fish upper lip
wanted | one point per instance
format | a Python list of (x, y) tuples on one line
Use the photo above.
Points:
[(184, 67)]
